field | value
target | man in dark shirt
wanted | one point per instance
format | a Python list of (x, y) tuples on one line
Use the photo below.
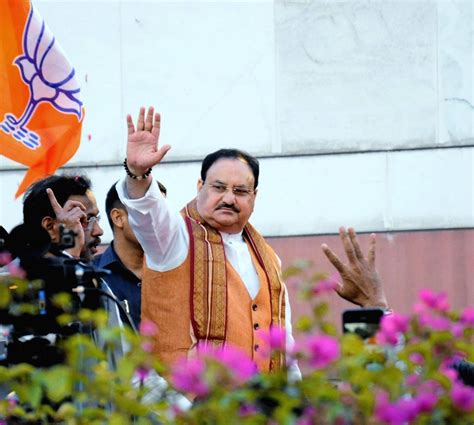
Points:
[(123, 257), (69, 201)]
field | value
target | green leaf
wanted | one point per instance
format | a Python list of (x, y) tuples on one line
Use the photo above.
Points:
[(126, 368), (304, 323), (58, 382), (298, 267), (320, 310), (66, 411), (352, 344), (318, 276), (62, 300), (20, 370), (117, 418), (5, 296), (29, 392), (328, 328)]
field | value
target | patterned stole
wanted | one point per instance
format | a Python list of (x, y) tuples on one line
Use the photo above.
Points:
[(209, 281)]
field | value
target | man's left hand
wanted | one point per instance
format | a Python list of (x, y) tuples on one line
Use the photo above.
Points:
[(361, 283)]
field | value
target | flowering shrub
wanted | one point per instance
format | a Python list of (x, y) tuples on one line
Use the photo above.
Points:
[(228, 367), (405, 378)]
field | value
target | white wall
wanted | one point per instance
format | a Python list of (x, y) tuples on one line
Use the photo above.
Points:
[(330, 94)]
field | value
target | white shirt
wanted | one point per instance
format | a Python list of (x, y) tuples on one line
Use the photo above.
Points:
[(164, 238)]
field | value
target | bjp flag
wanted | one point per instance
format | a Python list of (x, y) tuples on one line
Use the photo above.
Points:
[(40, 108)]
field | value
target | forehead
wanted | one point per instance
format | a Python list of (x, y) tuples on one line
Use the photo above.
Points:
[(88, 200), (230, 170)]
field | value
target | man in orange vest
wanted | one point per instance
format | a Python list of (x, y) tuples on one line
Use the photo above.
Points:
[(210, 276)]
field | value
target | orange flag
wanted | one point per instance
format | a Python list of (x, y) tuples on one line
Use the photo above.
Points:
[(40, 108)]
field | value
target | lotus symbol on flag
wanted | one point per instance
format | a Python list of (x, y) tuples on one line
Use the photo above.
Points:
[(50, 78)]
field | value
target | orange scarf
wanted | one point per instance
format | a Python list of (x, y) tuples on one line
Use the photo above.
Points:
[(209, 282)]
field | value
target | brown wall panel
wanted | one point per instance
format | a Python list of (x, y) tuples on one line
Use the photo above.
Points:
[(442, 260)]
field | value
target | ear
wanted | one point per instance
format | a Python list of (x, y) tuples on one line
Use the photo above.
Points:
[(50, 225), (117, 215), (200, 184)]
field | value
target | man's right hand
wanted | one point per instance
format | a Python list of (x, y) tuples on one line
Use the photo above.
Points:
[(73, 217), (143, 151)]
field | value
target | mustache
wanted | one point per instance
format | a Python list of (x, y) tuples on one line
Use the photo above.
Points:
[(232, 207), (94, 242)]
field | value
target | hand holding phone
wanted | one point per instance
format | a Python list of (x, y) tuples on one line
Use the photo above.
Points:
[(364, 322)]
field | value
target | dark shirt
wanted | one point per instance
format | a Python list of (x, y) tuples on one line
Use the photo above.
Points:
[(123, 283), (465, 371)]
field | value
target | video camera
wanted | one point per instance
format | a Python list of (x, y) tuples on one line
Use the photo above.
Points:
[(30, 318)]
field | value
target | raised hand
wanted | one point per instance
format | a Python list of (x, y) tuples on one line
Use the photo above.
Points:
[(361, 283), (143, 149), (73, 217)]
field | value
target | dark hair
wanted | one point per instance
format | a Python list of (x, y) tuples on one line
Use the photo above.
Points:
[(231, 154), (36, 204), (112, 201)]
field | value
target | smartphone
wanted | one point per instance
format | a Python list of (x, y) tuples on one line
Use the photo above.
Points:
[(364, 322)]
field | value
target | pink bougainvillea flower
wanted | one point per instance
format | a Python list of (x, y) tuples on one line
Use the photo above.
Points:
[(431, 386), (467, 316), (273, 339), (247, 409), (457, 329), (16, 271), (188, 376), (412, 380), (142, 373), (425, 401), (147, 346), (308, 417), (434, 322), (148, 328), (399, 412), (5, 258), (327, 285), (416, 358), (176, 410), (430, 300), (462, 397), (448, 361), (236, 361), (322, 350), (449, 372), (391, 328), (12, 403), (238, 366)]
